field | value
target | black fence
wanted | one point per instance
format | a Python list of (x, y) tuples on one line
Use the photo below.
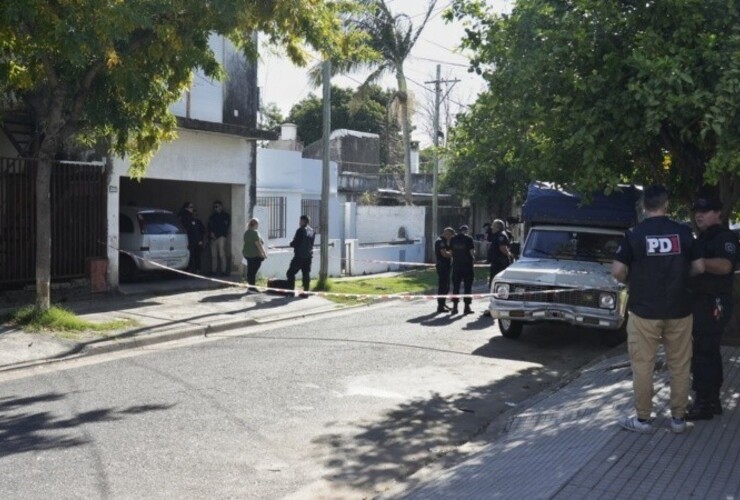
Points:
[(78, 219)]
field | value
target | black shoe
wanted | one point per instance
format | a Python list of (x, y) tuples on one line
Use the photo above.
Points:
[(701, 410), (454, 311), (467, 310), (442, 309), (486, 313)]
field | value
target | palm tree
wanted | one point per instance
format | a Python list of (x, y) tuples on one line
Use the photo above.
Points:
[(391, 38)]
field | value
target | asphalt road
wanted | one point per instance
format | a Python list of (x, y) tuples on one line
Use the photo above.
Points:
[(339, 406)]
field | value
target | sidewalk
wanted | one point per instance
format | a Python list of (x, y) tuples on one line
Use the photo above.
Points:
[(163, 310), (568, 445)]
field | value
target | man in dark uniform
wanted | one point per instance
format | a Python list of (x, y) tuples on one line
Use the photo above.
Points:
[(463, 255), (655, 259), (712, 305), (499, 256), (443, 255), (302, 254)]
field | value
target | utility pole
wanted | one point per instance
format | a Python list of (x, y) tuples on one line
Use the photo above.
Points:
[(435, 169), (325, 186)]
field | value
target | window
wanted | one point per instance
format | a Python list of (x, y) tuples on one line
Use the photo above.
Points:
[(312, 208), (160, 223), (571, 245), (276, 211)]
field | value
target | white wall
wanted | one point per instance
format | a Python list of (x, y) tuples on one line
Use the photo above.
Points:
[(206, 95), (381, 224), (360, 258)]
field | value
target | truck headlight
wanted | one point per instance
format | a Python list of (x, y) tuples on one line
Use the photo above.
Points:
[(607, 300), (501, 290)]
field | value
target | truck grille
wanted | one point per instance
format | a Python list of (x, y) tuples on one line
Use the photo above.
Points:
[(583, 298)]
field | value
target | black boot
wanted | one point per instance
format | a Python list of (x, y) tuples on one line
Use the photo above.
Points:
[(441, 308), (467, 309), (701, 410), (454, 310), (716, 404)]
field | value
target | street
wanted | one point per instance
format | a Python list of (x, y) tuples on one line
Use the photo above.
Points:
[(342, 405)]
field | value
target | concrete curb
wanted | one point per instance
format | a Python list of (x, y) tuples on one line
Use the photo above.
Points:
[(127, 340)]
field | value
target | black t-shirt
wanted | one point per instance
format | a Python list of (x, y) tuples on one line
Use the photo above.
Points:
[(495, 255), (461, 245), (442, 260), (716, 243), (658, 252)]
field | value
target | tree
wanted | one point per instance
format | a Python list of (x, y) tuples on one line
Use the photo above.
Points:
[(270, 116), (95, 70), (365, 111), (598, 92), (391, 37)]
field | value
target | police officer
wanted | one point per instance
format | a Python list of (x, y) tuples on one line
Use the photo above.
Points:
[(712, 305), (302, 244), (499, 255), (443, 255), (463, 255), (655, 259)]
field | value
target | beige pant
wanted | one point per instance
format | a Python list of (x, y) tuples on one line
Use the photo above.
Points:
[(218, 251), (643, 338)]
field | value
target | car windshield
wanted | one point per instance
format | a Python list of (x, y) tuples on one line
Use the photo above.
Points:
[(160, 223), (571, 245)]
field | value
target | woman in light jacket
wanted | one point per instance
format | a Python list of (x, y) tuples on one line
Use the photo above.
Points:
[(253, 250)]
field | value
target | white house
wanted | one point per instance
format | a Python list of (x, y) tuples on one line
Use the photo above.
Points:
[(213, 158)]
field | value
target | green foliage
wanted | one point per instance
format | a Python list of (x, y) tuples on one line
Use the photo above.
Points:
[(272, 117), (363, 111), (57, 319), (598, 92), (97, 69)]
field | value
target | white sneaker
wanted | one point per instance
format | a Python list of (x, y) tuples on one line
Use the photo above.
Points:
[(678, 425), (634, 425)]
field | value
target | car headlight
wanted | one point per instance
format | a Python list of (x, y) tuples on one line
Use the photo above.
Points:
[(501, 290), (607, 300)]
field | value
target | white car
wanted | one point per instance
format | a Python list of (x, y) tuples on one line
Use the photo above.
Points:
[(152, 235)]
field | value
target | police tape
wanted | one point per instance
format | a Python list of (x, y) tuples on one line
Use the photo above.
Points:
[(400, 263), (400, 295)]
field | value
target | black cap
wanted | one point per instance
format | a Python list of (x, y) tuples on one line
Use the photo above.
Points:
[(705, 204), (462, 228)]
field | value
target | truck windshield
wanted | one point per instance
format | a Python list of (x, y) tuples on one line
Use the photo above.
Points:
[(571, 245)]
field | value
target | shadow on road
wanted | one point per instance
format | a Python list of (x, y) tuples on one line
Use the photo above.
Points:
[(416, 433), (23, 429)]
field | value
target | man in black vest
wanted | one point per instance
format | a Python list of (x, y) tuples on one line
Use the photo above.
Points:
[(712, 305), (302, 254), (655, 259), (499, 256), (443, 256), (463, 256)]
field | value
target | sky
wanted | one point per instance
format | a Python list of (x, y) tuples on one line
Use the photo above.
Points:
[(284, 84)]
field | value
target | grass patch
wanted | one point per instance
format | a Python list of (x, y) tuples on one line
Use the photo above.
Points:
[(58, 319), (412, 282)]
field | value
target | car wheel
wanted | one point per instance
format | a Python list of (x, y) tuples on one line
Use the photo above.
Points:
[(509, 328), (127, 270)]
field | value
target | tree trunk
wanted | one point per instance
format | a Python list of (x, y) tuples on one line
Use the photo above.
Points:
[(43, 233), (406, 128)]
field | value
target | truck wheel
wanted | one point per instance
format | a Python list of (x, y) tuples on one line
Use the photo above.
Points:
[(510, 329)]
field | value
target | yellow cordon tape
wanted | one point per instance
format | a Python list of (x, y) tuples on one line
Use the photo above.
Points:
[(352, 295)]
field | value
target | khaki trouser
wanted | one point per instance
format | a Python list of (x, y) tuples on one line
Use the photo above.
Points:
[(643, 338), (218, 251)]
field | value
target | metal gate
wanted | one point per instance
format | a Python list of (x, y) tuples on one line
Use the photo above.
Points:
[(78, 219)]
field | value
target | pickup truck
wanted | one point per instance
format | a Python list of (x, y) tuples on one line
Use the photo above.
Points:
[(564, 272)]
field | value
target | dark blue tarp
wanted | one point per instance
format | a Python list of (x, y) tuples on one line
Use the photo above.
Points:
[(548, 203)]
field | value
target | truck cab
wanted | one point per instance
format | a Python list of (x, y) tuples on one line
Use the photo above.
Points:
[(564, 272)]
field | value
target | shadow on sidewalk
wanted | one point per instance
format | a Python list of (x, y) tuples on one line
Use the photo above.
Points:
[(25, 429)]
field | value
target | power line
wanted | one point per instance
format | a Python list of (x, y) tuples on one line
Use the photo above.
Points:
[(448, 63)]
